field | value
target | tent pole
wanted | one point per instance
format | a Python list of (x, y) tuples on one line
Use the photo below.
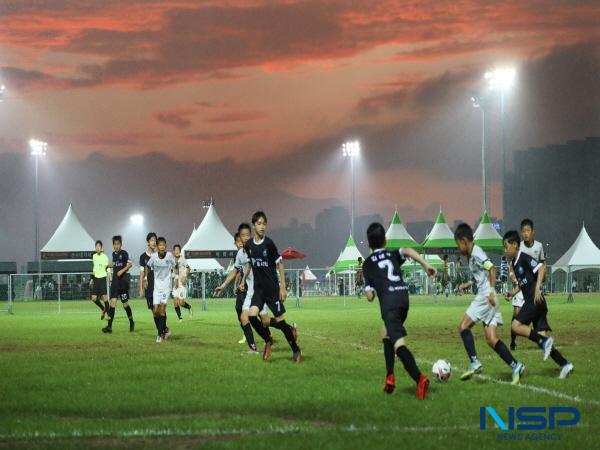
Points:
[(203, 291)]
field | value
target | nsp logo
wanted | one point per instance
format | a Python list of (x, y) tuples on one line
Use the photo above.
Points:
[(531, 417)]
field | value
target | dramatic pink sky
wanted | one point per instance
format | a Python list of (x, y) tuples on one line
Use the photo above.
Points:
[(261, 81)]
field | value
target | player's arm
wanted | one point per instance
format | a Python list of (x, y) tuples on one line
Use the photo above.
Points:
[(282, 286), (230, 277), (370, 295), (510, 294), (491, 269), (242, 286), (541, 271), (411, 253)]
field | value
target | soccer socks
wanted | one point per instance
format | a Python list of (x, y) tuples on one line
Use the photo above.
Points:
[(106, 306), (513, 335), (558, 357), (390, 357), (249, 336), (111, 314), (534, 336), (469, 343), (98, 303), (186, 305), (129, 313), (178, 311), (505, 354), (287, 331), (408, 360), (262, 331), (157, 323)]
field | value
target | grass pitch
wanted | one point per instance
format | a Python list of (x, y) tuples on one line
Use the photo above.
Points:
[(66, 385)]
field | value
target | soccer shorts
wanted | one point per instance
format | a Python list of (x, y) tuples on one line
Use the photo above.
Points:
[(480, 309), (99, 287), (261, 299), (160, 296), (393, 320), (518, 300), (532, 313), (119, 288), (180, 292), (247, 303)]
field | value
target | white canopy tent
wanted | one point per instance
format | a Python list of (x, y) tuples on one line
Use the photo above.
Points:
[(309, 275), (70, 241), (582, 255)]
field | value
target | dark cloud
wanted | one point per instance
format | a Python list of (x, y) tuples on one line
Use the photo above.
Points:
[(237, 116), (227, 136), (176, 118)]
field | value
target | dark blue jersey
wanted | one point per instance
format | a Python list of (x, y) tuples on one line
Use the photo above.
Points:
[(526, 270), (382, 273), (120, 259), (144, 258), (264, 258)]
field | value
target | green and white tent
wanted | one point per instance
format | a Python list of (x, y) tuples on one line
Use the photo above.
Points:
[(397, 236), (440, 239), (348, 258), (487, 237), (434, 260)]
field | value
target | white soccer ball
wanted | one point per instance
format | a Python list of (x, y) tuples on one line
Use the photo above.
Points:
[(441, 370)]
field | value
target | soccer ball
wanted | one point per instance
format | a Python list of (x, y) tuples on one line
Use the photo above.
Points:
[(441, 370)]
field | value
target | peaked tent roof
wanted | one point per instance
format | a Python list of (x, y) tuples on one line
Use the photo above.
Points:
[(190, 238), (412, 266), (440, 237), (486, 235), (211, 235), (204, 264), (397, 236), (583, 254), (309, 275), (70, 240), (348, 257)]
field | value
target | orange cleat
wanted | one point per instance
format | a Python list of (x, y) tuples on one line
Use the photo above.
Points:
[(422, 386), (390, 384)]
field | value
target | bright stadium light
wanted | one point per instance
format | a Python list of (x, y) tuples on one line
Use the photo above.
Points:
[(351, 150), (2, 91), (501, 78), (137, 219), (38, 148)]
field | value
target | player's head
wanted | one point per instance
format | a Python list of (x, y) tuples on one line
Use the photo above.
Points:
[(151, 240), (161, 243), (245, 232), (512, 243), (117, 242), (98, 246), (376, 236), (177, 250), (259, 222), (238, 241), (463, 235), (527, 231)]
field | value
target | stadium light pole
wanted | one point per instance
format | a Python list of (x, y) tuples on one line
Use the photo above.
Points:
[(502, 79), (38, 150), (351, 150), (479, 103)]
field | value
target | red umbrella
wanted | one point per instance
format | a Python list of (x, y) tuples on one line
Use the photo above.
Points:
[(292, 253)]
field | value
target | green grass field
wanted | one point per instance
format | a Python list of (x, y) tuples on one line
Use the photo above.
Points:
[(66, 385)]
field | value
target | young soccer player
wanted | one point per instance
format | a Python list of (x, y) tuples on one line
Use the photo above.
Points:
[(528, 272), (98, 281), (119, 286), (484, 307), (182, 271), (146, 275), (244, 296), (162, 263), (383, 277), (264, 262)]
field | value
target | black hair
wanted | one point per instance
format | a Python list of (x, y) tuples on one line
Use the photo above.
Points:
[(161, 239), (151, 235), (99, 242), (527, 222), (360, 259), (512, 237), (177, 246), (117, 238), (376, 235), (236, 236), (463, 231), (258, 215), (246, 226)]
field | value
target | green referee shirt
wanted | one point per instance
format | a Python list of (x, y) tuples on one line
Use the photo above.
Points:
[(100, 265)]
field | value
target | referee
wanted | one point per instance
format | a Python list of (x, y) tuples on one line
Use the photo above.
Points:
[(98, 281)]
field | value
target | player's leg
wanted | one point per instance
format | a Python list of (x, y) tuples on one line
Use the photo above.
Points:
[(521, 326), (239, 302), (176, 304), (182, 300), (279, 322), (502, 350), (114, 293), (517, 303), (542, 326), (265, 321), (157, 319), (390, 359), (127, 308), (97, 302), (466, 335)]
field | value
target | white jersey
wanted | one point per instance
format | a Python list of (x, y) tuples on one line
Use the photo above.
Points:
[(241, 260), (479, 265), (536, 251), (163, 269), (181, 269)]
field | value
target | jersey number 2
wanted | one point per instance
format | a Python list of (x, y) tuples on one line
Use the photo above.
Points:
[(387, 264)]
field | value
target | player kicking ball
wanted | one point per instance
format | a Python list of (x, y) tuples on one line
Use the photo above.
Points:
[(182, 271), (528, 273), (484, 307), (383, 277), (162, 264)]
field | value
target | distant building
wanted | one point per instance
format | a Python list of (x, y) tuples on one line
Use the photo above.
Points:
[(558, 187)]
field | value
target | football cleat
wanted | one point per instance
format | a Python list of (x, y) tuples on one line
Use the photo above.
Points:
[(390, 384), (295, 330), (297, 357), (475, 367), (242, 340), (107, 330), (547, 346), (131, 326), (267, 350), (159, 338), (422, 387), (517, 373), (566, 370)]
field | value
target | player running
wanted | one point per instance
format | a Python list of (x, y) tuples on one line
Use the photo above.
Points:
[(182, 271), (162, 263)]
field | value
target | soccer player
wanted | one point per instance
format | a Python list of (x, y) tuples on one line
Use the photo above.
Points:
[(383, 277), (98, 281), (119, 286), (162, 263), (244, 293), (528, 272), (182, 271), (264, 262), (484, 307), (146, 274)]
